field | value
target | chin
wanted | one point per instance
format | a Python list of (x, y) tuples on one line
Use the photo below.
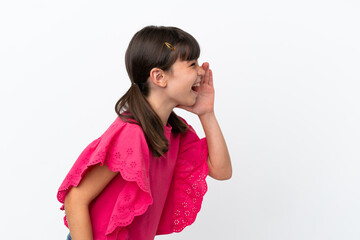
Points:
[(188, 102), (192, 103)]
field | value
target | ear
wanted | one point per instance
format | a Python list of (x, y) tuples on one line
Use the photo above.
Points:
[(157, 76)]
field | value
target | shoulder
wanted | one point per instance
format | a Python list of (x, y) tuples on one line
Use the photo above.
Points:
[(120, 129), (189, 135), (125, 125)]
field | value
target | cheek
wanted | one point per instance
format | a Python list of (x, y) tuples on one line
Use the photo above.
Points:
[(181, 85), (180, 93)]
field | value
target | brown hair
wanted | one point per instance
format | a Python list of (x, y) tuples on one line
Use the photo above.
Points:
[(147, 50)]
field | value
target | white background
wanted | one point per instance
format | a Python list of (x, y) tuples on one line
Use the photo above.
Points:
[(286, 76)]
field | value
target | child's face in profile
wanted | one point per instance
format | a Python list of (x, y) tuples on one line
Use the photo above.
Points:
[(180, 82)]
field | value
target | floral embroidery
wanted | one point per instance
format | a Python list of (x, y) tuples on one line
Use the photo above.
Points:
[(117, 155), (130, 151), (122, 156), (188, 208), (127, 197)]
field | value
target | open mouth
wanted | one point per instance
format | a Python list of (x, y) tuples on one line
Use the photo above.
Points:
[(195, 87)]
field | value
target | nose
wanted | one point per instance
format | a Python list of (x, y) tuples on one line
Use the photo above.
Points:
[(201, 71)]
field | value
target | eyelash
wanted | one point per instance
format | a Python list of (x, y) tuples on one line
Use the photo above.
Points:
[(193, 64)]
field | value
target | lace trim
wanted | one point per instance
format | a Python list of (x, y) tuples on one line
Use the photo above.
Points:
[(188, 205), (135, 199), (73, 179)]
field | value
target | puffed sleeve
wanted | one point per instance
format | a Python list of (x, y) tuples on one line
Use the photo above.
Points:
[(188, 185), (122, 148)]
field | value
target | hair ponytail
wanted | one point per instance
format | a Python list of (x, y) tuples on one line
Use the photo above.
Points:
[(139, 109), (147, 50)]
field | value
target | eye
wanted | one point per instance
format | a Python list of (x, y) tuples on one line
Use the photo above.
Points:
[(193, 64)]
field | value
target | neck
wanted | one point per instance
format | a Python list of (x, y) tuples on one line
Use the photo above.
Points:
[(162, 107)]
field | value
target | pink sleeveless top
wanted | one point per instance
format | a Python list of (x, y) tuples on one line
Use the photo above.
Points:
[(151, 195)]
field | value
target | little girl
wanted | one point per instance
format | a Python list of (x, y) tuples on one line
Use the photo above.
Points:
[(145, 175)]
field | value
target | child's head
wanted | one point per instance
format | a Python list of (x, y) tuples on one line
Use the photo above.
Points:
[(154, 47)]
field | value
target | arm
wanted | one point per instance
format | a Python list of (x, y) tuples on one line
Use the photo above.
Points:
[(219, 159), (78, 199)]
